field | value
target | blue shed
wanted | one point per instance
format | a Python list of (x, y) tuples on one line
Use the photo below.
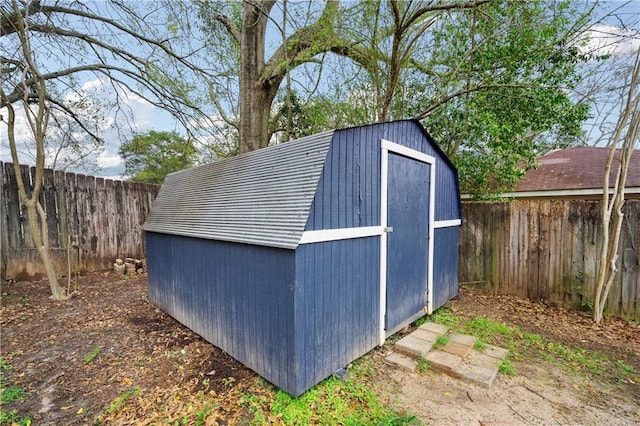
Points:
[(299, 258)]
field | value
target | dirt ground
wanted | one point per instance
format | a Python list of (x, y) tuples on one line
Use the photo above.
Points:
[(541, 393), (76, 358)]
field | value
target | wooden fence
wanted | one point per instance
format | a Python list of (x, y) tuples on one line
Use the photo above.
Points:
[(539, 249), (91, 221), (548, 249)]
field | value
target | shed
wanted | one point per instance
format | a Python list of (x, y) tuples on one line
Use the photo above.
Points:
[(299, 258)]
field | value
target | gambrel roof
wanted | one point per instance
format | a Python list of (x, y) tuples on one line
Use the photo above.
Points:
[(262, 197)]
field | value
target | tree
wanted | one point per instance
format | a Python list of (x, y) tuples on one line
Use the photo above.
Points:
[(48, 49), (491, 81), (151, 156), (622, 144), (131, 47), (33, 96)]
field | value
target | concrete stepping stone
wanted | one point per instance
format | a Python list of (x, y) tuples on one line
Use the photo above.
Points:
[(444, 361), (457, 357), (482, 360), (439, 329), (413, 346), (429, 336), (495, 352), (463, 351), (476, 374), (401, 361)]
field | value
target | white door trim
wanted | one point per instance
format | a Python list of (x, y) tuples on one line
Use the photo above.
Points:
[(386, 147)]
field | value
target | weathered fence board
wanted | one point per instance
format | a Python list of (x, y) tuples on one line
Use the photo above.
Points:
[(548, 249), (91, 221)]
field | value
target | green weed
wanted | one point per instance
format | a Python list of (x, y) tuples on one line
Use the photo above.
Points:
[(479, 345), (115, 405), (92, 355), (444, 316), (11, 393), (12, 418), (441, 341), (4, 365), (424, 365), (521, 345), (507, 368)]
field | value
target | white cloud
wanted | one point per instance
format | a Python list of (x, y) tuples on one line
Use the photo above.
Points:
[(95, 101), (610, 40), (108, 160)]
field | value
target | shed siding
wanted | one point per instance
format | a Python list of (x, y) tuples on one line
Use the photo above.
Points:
[(445, 265), (410, 134), (337, 306), (348, 194), (237, 296)]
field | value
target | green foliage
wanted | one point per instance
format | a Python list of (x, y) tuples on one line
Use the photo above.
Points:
[(151, 156), (10, 393), (349, 402), (423, 365), (118, 402), (444, 316), (441, 341), (506, 368), (511, 95), (479, 345), (12, 418), (522, 345), (486, 329), (92, 355)]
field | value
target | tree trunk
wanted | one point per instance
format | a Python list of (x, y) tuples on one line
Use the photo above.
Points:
[(40, 236), (626, 132), (256, 94)]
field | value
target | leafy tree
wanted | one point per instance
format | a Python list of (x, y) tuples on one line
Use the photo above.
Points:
[(151, 156), (490, 80)]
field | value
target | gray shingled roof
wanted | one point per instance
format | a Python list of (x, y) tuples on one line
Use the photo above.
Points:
[(262, 197)]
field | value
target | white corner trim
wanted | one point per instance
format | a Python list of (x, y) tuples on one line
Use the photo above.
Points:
[(407, 152), (447, 223), (432, 221), (324, 235)]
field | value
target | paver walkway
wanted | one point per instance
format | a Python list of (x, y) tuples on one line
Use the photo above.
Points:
[(458, 357)]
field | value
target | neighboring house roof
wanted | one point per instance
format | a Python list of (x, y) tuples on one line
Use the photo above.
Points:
[(576, 169), (262, 197)]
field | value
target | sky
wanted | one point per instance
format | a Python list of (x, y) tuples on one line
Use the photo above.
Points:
[(610, 36)]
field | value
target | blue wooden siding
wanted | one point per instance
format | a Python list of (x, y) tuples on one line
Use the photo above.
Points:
[(239, 297), (445, 265), (412, 135), (337, 306), (348, 193)]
